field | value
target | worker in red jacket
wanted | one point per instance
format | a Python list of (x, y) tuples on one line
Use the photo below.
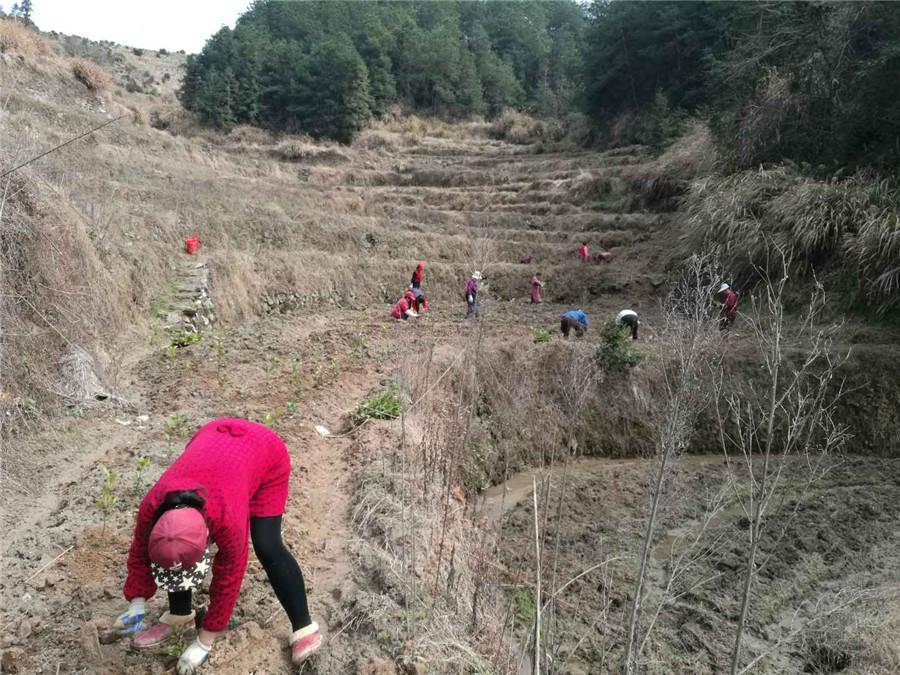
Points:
[(418, 273), (583, 253), (403, 308), (728, 313), (537, 289), (229, 485)]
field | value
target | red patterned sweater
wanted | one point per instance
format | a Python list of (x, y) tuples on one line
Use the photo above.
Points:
[(242, 470)]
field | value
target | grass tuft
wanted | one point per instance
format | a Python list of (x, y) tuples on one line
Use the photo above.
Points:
[(383, 406)]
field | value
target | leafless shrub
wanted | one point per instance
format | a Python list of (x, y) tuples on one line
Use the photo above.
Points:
[(789, 412), (688, 339), (90, 75)]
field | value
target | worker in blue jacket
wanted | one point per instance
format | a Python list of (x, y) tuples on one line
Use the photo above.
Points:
[(574, 320)]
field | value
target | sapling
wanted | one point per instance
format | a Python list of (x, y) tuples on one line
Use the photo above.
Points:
[(175, 427), (221, 359), (143, 463), (108, 499)]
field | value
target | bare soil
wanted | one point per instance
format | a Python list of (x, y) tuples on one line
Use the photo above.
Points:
[(305, 259)]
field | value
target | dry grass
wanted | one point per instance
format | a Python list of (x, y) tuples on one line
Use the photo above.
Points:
[(846, 229), (305, 150), (91, 75), (520, 128), (691, 155), (17, 38)]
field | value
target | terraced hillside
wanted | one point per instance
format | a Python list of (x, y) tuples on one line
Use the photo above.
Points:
[(306, 246)]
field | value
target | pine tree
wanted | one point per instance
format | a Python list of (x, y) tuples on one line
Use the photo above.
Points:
[(25, 11), (337, 104)]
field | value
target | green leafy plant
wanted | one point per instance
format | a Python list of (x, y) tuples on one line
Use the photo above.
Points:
[(143, 463), (541, 335), (108, 500), (186, 339), (523, 600), (270, 419), (296, 378), (383, 406), (175, 427), (616, 351), (171, 354)]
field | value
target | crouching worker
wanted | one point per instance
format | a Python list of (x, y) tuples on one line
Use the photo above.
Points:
[(229, 485), (628, 317), (575, 320), (403, 308)]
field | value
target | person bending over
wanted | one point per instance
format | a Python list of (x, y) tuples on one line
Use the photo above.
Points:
[(403, 308), (230, 485), (628, 317), (576, 321)]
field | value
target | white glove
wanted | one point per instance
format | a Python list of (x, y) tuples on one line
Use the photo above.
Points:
[(192, 658), (132, 621), (470, 299)]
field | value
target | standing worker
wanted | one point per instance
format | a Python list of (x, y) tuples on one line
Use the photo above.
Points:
[(229, 485), (574, 320), (628, 317), (472, 302), (418, 273), (583, 253), (537, 287), (728, 313), (403, 308)]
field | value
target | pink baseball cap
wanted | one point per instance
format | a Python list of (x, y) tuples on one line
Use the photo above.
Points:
[(178, 539)]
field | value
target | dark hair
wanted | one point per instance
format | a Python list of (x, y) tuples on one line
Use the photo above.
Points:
[(179, 498)]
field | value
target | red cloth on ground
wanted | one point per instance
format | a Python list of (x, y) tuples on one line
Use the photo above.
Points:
[(729, 307), (400, 308), (242, 470)]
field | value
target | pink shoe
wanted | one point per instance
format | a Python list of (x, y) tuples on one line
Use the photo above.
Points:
[(304, 642), (157, 634), (161, 632)]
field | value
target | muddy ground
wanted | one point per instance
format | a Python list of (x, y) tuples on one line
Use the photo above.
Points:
[(829, 548)]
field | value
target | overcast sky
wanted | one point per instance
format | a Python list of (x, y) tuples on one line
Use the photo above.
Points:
[(151, 24)]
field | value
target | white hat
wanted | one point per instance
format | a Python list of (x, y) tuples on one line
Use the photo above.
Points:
[(476, 275), (723, 287)]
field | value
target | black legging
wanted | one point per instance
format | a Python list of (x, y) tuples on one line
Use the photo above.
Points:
[(632, 322), (281, 568)]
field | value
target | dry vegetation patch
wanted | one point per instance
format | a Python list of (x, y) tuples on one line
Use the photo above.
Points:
[(17, 38), (91, 75)]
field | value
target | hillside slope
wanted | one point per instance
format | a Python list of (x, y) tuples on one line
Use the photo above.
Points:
[(306, 245)]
